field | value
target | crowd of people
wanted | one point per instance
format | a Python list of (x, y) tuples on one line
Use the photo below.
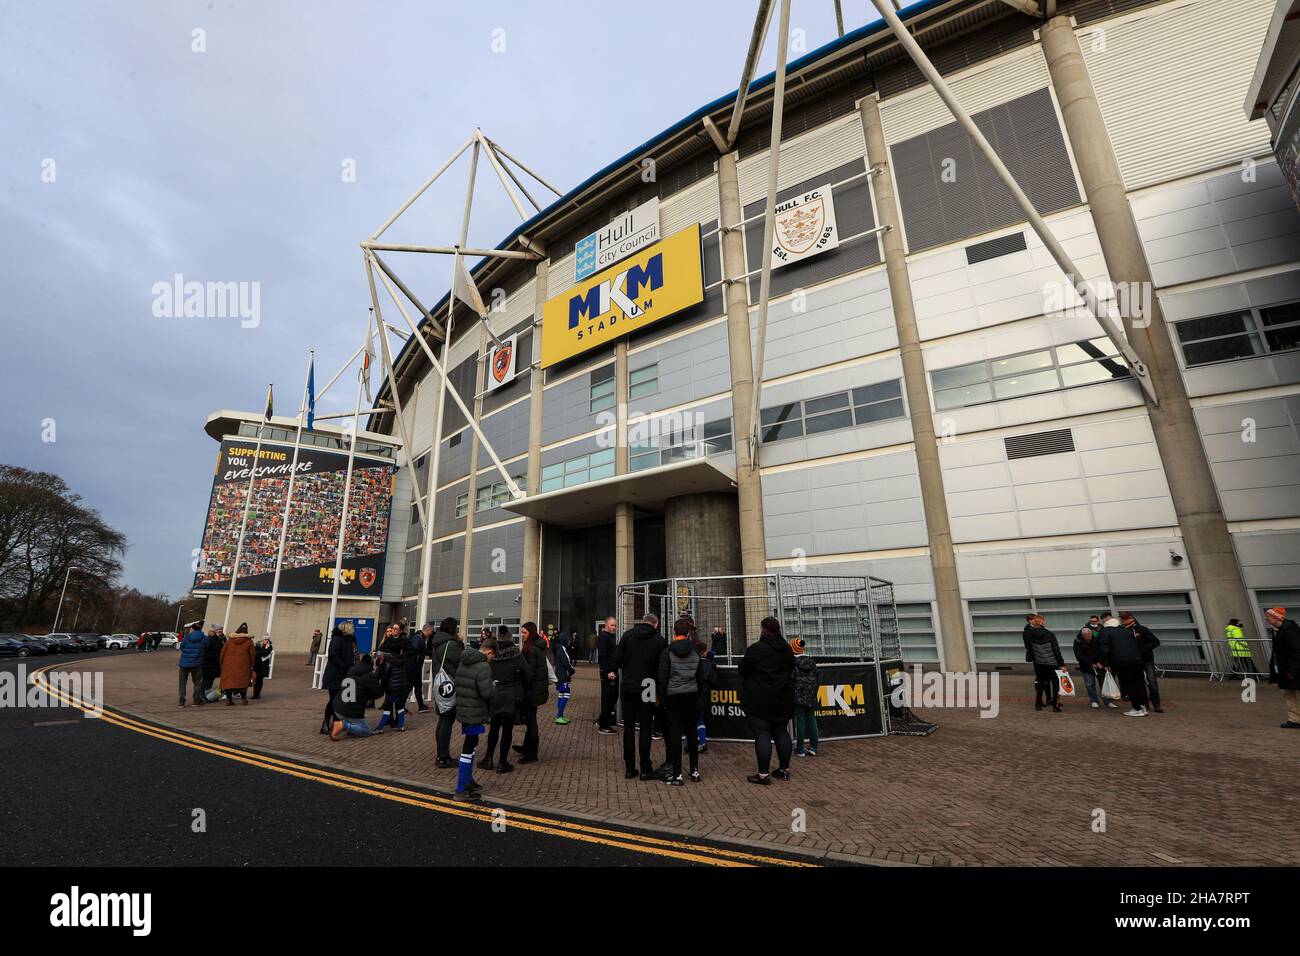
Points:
[(495, 685), (313, 522), (1116, 657), (217, 667)]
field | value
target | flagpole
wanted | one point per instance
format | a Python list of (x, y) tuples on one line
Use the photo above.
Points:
[(243, 524), (288, 497), (347, 493)]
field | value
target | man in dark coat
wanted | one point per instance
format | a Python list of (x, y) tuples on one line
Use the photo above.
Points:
[(262, 665), (415, 663), (637, 657), (1043, 651), (1121, 652), (446, 651), (211, 666), (339, 659), (606, 644), (1087, 652), (536, 692), (767, 695), (512, 674), (1148, 642), (1284, 667)]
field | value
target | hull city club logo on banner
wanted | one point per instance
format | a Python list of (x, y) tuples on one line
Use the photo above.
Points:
[(314, 516), (805, 226), (625, 235), (657, 282), (503, 362)]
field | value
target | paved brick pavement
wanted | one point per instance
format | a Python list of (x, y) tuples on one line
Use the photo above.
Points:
[(1205, 783)]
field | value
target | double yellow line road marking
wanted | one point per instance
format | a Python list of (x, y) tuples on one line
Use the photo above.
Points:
[(571, 830)]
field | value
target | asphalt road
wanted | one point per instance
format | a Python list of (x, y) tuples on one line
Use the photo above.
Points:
[(76, 791)]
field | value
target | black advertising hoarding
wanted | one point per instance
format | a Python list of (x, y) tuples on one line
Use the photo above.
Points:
[(848, 703), (314, 516)]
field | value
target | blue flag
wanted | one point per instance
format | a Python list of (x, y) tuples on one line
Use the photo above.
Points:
[(311, 392)]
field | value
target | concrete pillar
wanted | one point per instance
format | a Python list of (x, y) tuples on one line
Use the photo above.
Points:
[(479, 379), (624, 529), (529, 608), (1210, 554), (749, 483), (700, 535), (943, 561)]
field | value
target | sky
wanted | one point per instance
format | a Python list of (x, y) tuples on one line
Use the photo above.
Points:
[(258, 143)]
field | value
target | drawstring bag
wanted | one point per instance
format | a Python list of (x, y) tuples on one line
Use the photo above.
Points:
[(444, 687), (1109, 689)]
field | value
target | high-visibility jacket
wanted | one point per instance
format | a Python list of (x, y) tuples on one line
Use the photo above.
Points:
[(1236, 641)]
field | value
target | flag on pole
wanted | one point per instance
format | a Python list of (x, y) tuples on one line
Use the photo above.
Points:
[(311, 392), (269, 403), (367, 358), (465, 289)]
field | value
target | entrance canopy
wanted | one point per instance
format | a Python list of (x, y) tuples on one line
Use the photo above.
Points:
[(595, 500)]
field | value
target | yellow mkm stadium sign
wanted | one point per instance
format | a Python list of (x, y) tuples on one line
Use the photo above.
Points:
[(653, 284)]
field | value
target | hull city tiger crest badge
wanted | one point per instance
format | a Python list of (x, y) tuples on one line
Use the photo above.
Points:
[(367, 577), (501, 370), (805, 226)]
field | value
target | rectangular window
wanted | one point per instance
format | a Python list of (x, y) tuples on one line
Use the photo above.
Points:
[(861, 406), (462, 505), (1029, 373), (1238, 335), (602, 396), (781, 421), (643, 381)]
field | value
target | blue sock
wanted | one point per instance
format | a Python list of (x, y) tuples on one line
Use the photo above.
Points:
[(465, 772), (383, 721), (562, 699), (401, 719)]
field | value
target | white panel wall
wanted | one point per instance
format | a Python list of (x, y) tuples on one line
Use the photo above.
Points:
[(1254, 452), (981, 87), (1171, 81), (695, 203), (1070, 569), (1269, 559), (953, 297), (1112, 481), (804, 157)]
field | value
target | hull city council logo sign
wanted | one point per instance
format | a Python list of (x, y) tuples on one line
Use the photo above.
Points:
[(653, 284), (805, 226), (503, 361), (628, 233)]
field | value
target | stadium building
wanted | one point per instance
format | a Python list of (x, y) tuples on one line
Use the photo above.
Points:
[(937, 408)]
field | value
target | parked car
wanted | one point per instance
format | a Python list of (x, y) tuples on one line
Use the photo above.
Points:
[(85, 642), (37, 646), (168, 640), (60, 643), (117, 641), (12, 645)]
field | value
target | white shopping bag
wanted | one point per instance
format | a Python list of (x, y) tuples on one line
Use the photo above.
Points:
[(1064, 685), (1110, 689)]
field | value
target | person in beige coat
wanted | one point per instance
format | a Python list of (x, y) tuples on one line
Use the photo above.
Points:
[(237, 659)]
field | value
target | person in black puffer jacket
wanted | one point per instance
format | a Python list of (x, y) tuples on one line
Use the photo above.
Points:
[(1043, 651), (637, 657), (512, 674), (805, 699), (395, 678), (1121, 652), (536, 691), (679, 683), (339, 658), (474, 693), (767, 696), (1087, 652), (359, 689), (445, 650)]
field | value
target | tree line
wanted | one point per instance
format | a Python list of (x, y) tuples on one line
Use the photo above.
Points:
[(48, 534)]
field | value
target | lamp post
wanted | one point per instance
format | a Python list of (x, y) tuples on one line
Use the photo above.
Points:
[(58, 613)]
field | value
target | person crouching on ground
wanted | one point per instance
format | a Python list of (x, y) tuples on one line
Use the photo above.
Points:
[(237, 659), (262, 666), (563, 675), (1043, 651), (1284, 666), (512, 674), (359, 689), (475, 691), (679, 683), (395, 679), (1121, 652), (767, 697), (805, 699)]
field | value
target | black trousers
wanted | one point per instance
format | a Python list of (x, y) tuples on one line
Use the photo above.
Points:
[(329, 717), (195, 674), (767, 732), (636, 711), (682, 714), (446, 723), (1045, 684), (418, 685), (257, 685), (532, 738), (608, 717), (1133, 682), (503, 727)]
